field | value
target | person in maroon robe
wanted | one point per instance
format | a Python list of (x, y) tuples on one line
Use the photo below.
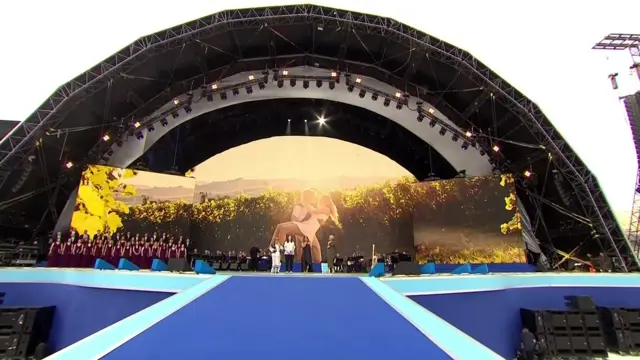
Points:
[(146, 256), (109, 252), (88, 251), (76, 254), (53, 258), (136, 254), (182, 252), (172, 252), (128, 252), (118, 253), (65, 253)]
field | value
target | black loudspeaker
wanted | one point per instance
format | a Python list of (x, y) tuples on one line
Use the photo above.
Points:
[(22, 330), (179, 265), (580, 303), (406, 268)]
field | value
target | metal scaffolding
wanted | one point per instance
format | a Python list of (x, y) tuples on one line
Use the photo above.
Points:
[(22, 140)]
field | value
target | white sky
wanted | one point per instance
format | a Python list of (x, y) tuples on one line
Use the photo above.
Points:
[(45, 43)]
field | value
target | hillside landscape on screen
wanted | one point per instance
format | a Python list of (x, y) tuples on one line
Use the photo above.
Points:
[(134, 201)]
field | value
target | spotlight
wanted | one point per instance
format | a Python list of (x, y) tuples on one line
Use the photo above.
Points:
[(358, 81), (292, 82), (496, 148), (386, 102), (174, 114), (305, 84), (164, 122), (319, 83), (235, 92), (280, 82), (305, 120), (285, 73), (136, 124), (482, 153), (251, 77), (465, 145), (209, 97), (362, 93), (139, 135), (288, 120), (420, 117), (106, 137), (188, 109), (322, 120), (399, 105), (68, 165), (176, 101), (442, 131), (527, 173), (454, 137), (332, 85), (432, 123), (214, 87), (468, 134), (350, 88), (119, 142), (431, 110), (249, 90), (150, 128), (109, 152), (398, 95), (223, 96), (261, 85), (374, 96)]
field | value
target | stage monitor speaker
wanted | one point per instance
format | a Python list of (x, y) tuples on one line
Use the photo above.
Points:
[(179, 265), (580, 303), (406, 268)]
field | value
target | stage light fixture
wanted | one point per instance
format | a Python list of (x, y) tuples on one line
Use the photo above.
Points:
[(280, 82), (109, 152), (292, 82), (442, 131), (285, 73), (305, 84), (431, 111), (332, 85), (288, 120), (322, 120), (350, 88), (139, 135), (68, 165), (454, 137), (223, 96), (482, 153), (136, 124), (249, 90), (235, 92), (176, 101), (527, 173), (164, 122), (386, 102), (398, 95), (261, 85), (105, 137), (465, 145), (174, 114), (362, 93), (468, 134), (214, 86), (251, 77), (358, 81), (496, 148), (150, 128), (305, 120), (209, 97), (420, 117), (399, 105), (374, 96), (119, 142), (432, 123), (188, 109), (319, 83)]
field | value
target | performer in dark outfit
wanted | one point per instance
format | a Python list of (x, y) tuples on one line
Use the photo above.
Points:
[(88, 253), (53, 258), (76, 254), (136, 254), (254, 254), (306, 255), (182, 252), (65, 253), (146, 256)]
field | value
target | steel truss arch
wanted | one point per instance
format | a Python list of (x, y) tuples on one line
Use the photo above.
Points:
[(22, 140)]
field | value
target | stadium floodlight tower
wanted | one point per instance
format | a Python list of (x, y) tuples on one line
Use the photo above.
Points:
[(631, 43)]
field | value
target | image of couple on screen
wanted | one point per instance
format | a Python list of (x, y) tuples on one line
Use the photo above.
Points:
[(307, 217)]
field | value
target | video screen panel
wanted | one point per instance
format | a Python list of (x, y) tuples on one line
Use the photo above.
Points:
[(140, 202)]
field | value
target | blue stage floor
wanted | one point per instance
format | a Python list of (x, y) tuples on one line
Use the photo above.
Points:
[(285, 317)]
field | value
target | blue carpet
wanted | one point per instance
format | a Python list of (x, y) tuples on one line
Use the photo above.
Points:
[(80, 311), (244, 317), (493, 318)]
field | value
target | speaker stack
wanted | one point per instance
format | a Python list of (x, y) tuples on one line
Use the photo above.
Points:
[(22, 330), (572, 333), (621, 329)]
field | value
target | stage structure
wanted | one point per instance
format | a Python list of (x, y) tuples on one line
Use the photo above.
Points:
[(631, 43), (436, 110)]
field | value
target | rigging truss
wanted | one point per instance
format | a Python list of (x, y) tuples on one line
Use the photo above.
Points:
[(20, 142)]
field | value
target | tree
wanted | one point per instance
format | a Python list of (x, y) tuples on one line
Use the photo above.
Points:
[(511, 204), (97, 207)]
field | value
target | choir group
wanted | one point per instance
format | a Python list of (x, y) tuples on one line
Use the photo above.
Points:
[(81, 251)]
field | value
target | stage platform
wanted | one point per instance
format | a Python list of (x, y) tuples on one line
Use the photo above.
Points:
[(117, 314)]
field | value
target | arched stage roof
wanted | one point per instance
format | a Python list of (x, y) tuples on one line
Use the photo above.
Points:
[(447, 86)]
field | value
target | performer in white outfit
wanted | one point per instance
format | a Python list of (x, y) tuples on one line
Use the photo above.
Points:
[(275, 258), (289, 253)]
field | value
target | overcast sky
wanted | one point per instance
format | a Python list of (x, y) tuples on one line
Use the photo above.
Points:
[(542, 47)]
